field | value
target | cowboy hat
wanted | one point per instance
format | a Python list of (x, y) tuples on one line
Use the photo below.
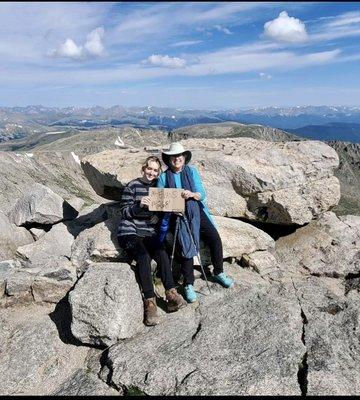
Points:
[(175, 149)]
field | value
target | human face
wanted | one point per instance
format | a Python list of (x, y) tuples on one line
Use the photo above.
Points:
[(151, 171), (177, 162)]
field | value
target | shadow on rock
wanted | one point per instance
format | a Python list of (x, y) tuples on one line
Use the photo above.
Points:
[(77, 225), (61, 316), (276, 231)]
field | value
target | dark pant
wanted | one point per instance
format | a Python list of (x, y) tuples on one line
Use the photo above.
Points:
[(143, 250), (210, 236)]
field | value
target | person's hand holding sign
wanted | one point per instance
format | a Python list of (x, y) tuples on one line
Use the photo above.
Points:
[(187, 194), (145, 201)]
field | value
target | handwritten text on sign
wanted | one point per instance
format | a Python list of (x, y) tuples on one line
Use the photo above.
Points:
[(166, 200)]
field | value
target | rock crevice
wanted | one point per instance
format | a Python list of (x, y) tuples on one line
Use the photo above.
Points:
[(303, 365)]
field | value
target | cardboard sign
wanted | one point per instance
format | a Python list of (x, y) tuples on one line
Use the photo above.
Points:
[(166, 200)]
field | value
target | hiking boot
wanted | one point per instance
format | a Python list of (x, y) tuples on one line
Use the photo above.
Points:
[(190, 294), (224, 280), (150, 311), (174, 300)]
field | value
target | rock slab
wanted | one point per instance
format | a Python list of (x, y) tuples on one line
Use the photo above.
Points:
[(106, 304), (238, 342), (42, 206)]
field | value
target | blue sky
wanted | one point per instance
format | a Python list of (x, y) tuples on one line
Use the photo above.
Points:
[(204, 55)]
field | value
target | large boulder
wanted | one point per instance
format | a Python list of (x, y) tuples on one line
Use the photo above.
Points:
[(283, 183), (17, 287), (106, 304), (11, 237), (275, 182), (42, 272), (54, 245), (240, 238), (110, 170), (328, 246), (15, 283), (97, 244), (42, 206), (48, 283)]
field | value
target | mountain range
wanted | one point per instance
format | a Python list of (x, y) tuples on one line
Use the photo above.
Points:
[(315, 122)]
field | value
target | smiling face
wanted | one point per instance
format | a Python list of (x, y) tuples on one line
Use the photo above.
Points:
[(177, 162), (151, 171)]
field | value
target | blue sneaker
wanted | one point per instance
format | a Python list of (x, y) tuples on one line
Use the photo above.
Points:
[(224, 280), (190, 294)]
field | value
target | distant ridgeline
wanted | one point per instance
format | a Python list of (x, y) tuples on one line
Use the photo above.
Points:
[(315, 122)]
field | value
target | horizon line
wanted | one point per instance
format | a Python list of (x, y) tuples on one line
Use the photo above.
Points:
[(185, 108)]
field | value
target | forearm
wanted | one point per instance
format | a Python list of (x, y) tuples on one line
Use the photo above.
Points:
[(198, 185)]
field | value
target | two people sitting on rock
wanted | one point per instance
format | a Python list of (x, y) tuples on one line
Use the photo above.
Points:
[(138, 236), (142, 234)]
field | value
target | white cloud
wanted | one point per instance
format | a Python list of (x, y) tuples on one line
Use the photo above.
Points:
[(244, 59), (340, 26), (94, 45), (285, 29), (320, 58), (165, 61), (222, 29), (220, 11), (230, 60), (28, 30), (264, 75), (345, 19), (327, 34), (68, 49), (186, 43)]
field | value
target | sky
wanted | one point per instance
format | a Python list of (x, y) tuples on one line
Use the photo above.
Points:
[(198, 55)]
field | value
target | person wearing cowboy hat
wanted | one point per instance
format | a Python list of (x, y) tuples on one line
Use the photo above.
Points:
[(182, 176)]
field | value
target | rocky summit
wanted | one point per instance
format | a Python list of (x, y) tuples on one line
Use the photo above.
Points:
[(71, 310)]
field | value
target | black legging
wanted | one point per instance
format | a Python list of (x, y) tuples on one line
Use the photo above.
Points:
[(210, 236), (143, 249)]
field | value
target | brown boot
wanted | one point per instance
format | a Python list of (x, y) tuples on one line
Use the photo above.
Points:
[(175, 300), (150, 311)]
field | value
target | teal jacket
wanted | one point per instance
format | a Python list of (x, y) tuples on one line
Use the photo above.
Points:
[(161, 183)]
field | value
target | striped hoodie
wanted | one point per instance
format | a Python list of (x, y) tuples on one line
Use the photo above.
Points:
[(136, 220)]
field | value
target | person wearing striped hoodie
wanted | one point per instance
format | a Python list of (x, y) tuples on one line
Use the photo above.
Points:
[(137, 234)]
